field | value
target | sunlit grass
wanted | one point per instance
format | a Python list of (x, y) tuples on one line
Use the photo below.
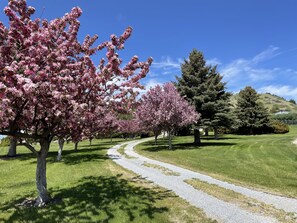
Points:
[(87, 187), (266, 162)]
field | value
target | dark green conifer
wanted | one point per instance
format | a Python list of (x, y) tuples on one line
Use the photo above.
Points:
[(252, 116), (202, 86)]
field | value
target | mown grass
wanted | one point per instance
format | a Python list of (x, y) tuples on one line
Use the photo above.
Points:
[(87, 187), (266, 162), (247, 203)]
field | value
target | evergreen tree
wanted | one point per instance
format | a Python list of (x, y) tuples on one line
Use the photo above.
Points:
[(252, 116), (202, 86)]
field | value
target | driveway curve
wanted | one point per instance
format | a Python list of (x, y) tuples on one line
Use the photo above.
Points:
[(213, 207)]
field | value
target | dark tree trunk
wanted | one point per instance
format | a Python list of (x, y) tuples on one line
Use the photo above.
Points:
[(169, 140), (216, 135), (61, 142), (197, 139), (12, 147), (43, 195), (156, 138), (75, 146), (206, 132), (251, 131), (156, 133), (90, 141)]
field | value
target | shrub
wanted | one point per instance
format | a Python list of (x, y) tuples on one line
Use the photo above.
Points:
[(279, 127), (4, 142)]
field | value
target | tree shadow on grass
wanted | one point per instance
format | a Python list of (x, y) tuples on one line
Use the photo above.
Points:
[(99, 145), (19, 156), (69, 157), (94, 199), (219, 139), (182, 146)]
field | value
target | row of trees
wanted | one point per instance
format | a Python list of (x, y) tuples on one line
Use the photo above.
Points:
[(50, 86), (202, 86)]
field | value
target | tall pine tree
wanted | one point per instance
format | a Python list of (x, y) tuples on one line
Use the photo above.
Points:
[(252, 116), (202, 86)]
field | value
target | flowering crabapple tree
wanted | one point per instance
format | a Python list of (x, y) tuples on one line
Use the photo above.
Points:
[(104, 124), (49, 85), (162, 108), (129, 127)]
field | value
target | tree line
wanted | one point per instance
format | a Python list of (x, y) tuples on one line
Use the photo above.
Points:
[(50, 88)]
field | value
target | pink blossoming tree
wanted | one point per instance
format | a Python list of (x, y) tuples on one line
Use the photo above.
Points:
[(162, 108), (129, 128), (49, 84)]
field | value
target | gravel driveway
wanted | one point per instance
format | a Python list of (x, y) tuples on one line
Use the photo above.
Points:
[(213, 207)]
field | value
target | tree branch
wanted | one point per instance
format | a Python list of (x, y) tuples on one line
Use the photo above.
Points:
[(20, 135), (30, 147)]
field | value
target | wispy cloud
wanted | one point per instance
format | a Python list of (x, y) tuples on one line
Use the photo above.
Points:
[(242, 72), (249, 69), (213, 62), (167, 63), (152, 82), (256, 71), (267, 54), (284, 91)]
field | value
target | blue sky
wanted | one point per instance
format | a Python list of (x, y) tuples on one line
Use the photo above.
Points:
[(253, 42)]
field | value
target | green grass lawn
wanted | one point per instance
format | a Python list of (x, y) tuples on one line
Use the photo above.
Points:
[(87, 187), (266, 162)]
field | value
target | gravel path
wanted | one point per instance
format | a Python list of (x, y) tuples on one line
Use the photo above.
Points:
[(213, 207)]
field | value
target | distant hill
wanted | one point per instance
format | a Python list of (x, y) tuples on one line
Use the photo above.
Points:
[(274, 103)]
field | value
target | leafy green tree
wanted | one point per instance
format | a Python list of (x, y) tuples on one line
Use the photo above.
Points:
[(252, 116), (202, 86)]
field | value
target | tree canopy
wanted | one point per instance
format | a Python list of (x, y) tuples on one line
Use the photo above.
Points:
[(202, 86), (162, 108), (49, 85), (252, 116)]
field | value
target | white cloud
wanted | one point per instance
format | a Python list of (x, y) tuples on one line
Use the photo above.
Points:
[(167, 63), (267, 54), (255, 71), (242, 72), (285, 91), (151, 83), (213, 62)]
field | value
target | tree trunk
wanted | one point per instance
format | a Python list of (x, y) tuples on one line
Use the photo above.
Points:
[(61, 142), (216, 135), (206, 131), (90, 141), (12, 147), (169, 140), (43, 195), (197, 139), (75, 146), (251, 131), (156, 138)]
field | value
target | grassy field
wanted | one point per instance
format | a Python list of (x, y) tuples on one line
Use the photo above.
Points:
[(267, 162), (87, 187)]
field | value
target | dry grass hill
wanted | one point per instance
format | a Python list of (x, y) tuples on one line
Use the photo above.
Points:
[(274, 103)]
